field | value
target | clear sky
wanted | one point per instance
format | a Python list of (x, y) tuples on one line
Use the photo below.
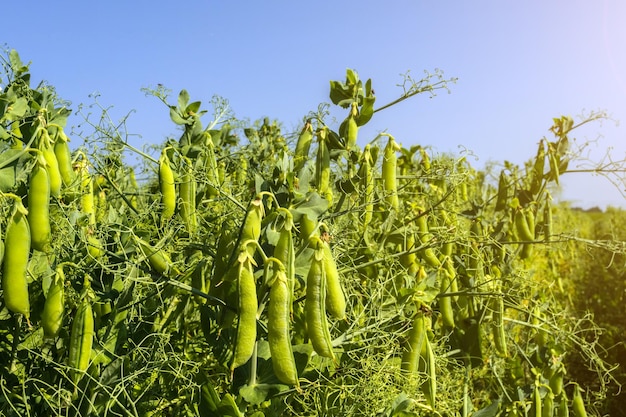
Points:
[(519, 64)]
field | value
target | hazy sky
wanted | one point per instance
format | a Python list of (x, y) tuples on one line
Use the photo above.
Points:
[(519, 64)]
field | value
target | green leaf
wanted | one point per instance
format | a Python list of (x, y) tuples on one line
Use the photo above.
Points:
[(313, 205), (341, 94), (209, 401), (193, 107), (176, 117), (4, 134), (352, 77), (228, 407), (490, 411), (255, 394), (17, 66), (18, 108), (183, 99), (367, 110)]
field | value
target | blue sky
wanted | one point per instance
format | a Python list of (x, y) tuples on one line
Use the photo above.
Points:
[(518, 64)]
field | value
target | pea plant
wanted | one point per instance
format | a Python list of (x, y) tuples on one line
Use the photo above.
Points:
[(238, 270)]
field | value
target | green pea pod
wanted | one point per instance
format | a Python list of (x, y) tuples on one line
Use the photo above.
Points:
[(39, 206), (367, 186), (409, 258), (522, 227), (430, 385), (538, 168), (536, 398), (54, 306), (415, 341), (187, 189), (503, 188), (563, 406), (389, 173), (315, 303), (87, 199), (81, 339), (547, 220), (167, 187), (64, 157), (578, 403), (556, 381), (428, 255), (302, 147), (14, 267), (278, 331), (445, 302), (251, 227), (322, 165), (285, 253), (248, 305), (159, 261), (52, 165), (1, 246), (547, 407), (335, 298), (352, 128), (307, 228)]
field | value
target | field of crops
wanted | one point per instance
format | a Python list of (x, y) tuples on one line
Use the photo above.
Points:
[(241, 270)]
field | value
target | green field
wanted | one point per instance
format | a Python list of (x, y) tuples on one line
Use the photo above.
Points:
[(239, 269)]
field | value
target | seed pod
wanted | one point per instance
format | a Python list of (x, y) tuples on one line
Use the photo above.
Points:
[(563, 406), (248, 305), (307, 228), (302, 147), (315, 303), (251, 228), (547, 220), (52, 165), (367, 186), (187, 189), (522, 227), (14, 267), (536, 398), (536, 175), (335, 298), (167, 187), (556, 381), (1, 246), (94, 247), (578, 404), (81, 339), (547, 407), (428, 255), (87, 201), (502, 197), (322, 163), (389, 173), (39, 206), (285, 253), (409, 258), (54, 306), (425, 163), (417, 335), (159, 261), (278, 331), (64, 157), (352, 129), (445, 302), (429, 387)]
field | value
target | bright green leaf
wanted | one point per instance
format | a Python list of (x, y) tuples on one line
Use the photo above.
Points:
[(183, 99)]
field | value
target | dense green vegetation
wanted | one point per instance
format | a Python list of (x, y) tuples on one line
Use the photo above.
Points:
[(241, 270)]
